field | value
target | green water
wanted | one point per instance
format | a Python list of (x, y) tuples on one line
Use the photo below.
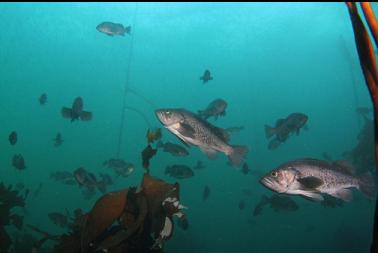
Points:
[(268, 60)]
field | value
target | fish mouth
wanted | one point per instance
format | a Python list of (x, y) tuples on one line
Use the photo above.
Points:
[(272, 184), (159, 114), (267, 182)]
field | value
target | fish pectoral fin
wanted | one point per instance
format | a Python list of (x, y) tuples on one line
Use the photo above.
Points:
[(66, 112), (85, 116), (186, 130), (344, 194), (312, 195), (310, 182), (183, 141), (211, 153)]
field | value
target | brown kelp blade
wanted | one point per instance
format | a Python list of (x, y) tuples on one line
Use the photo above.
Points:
[(131, 227), (147, 154), (156, 191), (106, 210), (132, 220), (367, 61), (364, 46), (371, 20), (153, 135), (369, 67)]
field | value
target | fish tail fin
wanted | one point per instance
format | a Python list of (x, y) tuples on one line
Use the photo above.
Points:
[(160, 144), (269, 131), (101, 186), (85, 116), (66, 112), (366, 184), (128, 29), (237, 155)]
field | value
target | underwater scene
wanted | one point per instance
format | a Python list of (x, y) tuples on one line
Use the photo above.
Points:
[(184, 127)]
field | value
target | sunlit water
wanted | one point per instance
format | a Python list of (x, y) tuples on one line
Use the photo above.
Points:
[(267, 60)]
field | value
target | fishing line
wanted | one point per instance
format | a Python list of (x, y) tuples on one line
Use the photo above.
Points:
[(140, 113), (120, 136), (143, 98)]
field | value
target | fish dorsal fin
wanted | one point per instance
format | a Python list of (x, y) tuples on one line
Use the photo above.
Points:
[(317, 162), (344, 167), (310, 182)]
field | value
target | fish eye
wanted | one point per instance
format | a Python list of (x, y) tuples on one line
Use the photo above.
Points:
[(168, 113), (274, 174)]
